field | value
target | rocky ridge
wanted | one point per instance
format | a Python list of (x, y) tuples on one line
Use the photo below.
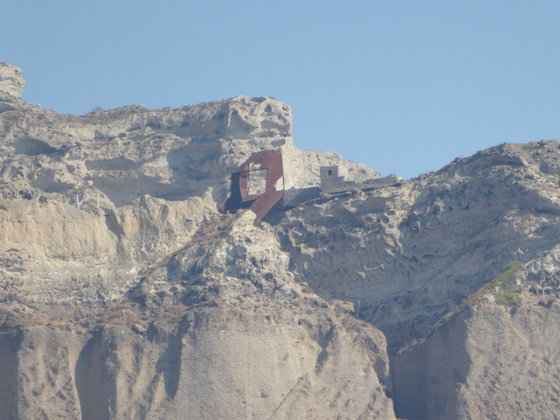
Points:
[(125, 293)]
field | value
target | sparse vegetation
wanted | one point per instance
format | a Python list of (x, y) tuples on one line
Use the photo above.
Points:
[(505, 291), (502, 288), (509, 298)]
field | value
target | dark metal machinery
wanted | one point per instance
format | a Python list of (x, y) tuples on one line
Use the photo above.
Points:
[(258, 184)]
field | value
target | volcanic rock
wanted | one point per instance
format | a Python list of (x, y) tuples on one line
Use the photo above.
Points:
[(125, 294)]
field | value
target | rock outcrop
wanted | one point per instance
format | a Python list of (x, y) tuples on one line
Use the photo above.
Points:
[(126, 295), (11, 86), (11, 82)]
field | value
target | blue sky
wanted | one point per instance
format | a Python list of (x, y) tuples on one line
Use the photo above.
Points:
[(403, 86)]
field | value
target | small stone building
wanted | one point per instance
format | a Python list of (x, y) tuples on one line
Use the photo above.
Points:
[(333, 179)]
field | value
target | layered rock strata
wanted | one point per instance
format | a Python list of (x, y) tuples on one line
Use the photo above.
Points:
[(125, 293)]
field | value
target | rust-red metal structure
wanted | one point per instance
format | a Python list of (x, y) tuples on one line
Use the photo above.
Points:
[(258, 184)]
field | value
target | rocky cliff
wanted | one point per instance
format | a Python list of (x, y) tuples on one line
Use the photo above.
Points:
[(126, 295)]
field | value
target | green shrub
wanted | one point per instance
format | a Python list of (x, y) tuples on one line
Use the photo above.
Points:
[(509, 298), (502, 288)]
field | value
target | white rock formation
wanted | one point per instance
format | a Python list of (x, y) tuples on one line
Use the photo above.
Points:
[(125, 294), (11, 82)]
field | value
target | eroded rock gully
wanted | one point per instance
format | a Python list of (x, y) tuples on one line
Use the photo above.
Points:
[(126, 295)]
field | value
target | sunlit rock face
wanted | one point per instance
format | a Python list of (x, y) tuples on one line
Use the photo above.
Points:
[(11, 81), (125, 294), (11, 86)]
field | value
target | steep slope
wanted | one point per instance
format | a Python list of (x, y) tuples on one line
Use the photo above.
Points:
[(411, 252), (87, 202), (495, 357), (459, 269), (125, 293)]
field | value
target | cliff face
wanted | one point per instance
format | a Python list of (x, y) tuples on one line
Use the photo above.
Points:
[(11, 83), (125, 293)]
